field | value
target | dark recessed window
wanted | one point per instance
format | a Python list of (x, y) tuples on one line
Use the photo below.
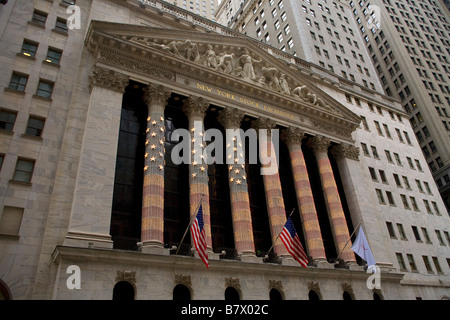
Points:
[(61, 25), (29, 48), (39, 17), (24, 170), (18, 81), (35, 126), (7, 119), (45, 89), (53, 56)]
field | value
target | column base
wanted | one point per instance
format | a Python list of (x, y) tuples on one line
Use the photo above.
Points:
[(250, 257), (89, 240), (353, 266), (322, 263), (289, 261), (153, 248)]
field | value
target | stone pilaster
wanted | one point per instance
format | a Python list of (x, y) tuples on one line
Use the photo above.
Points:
[(90, 217), (231, 119), (272, 184), (310, 223), (152, 226), (333, 201), (195, 109)]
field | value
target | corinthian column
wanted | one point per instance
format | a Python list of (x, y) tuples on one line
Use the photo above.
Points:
[(152, 226), (310, 223), (231, 119), (333, 201), (272, 184), (195, 109)]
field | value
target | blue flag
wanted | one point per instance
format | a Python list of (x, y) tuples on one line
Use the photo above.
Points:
[(362, 249)]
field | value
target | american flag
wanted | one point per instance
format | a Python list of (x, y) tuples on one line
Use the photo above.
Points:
[(292, 242), (199, 236)]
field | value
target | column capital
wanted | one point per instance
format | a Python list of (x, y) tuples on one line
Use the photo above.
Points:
[(345, 150), (109, 79), (230, 118), (195, 106), (156, 93), (292, 135), (263, 123), (319, 144)]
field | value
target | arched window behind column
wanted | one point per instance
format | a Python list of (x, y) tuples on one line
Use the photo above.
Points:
[(313, 296), (219, 193), (123, 291), (275, 295), (181, 292), (5, 294), (289, 192), (176, 181), (319, 202), (347, 296), (232, 294), (128, 181)]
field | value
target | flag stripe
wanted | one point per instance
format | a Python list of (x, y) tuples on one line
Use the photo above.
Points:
[(199, 236), (292, 243)]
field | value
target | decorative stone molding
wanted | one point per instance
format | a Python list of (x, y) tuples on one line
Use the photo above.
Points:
[(233, 282), (292, 135), (156, 94), (183, 279), (347, 287), (126, 275), (230, 118), (263, 123), (276, 284), (108, 79), (319, 144), (314, 285), (195, 106), (345, 151)]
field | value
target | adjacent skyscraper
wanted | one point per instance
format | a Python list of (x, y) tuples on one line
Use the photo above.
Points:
[(408, 48)]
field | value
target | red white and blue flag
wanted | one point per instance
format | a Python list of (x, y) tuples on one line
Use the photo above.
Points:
[(199, 236), (292, 243)]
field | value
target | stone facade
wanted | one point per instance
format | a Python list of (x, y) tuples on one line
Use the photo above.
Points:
[(67, 205)]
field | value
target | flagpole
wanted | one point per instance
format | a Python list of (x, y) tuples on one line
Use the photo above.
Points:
[(349, 239), (190, 223), (280, 232)]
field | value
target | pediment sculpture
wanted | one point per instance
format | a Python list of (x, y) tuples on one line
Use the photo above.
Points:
[(240, 64)]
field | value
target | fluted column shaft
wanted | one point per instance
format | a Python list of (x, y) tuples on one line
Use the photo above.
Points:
[(272, 185), (195, 109), (333, 201), (152, 227), (308, 214), (240, 202)]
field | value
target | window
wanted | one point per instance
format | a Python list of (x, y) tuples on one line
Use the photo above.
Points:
[(397, 158), (365, 150), (53, 56), (45, 89), (2, 157), (283, 16), (11, 220), (427, 206), (274, 13), (405, 202), (290, 43), (414, 203), (29, 48), (391, 230), (7, 119), (388, 155), (400, 261), (61, 25), (24, 170), (373, 174), (411, 262), (406, 182), (390, 198), (35, 126), (280, 37), (383, 176), (401, 231), (374, 152), (439, 236), (426, 261), (437, 265), (425, 234), (416, 233), (39, 17), (397, 180), (18, 82), (380, 196)]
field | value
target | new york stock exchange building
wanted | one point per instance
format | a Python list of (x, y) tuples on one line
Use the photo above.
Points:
[(107, 198)]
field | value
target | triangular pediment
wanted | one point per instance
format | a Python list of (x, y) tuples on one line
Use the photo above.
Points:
[(251, 67)]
